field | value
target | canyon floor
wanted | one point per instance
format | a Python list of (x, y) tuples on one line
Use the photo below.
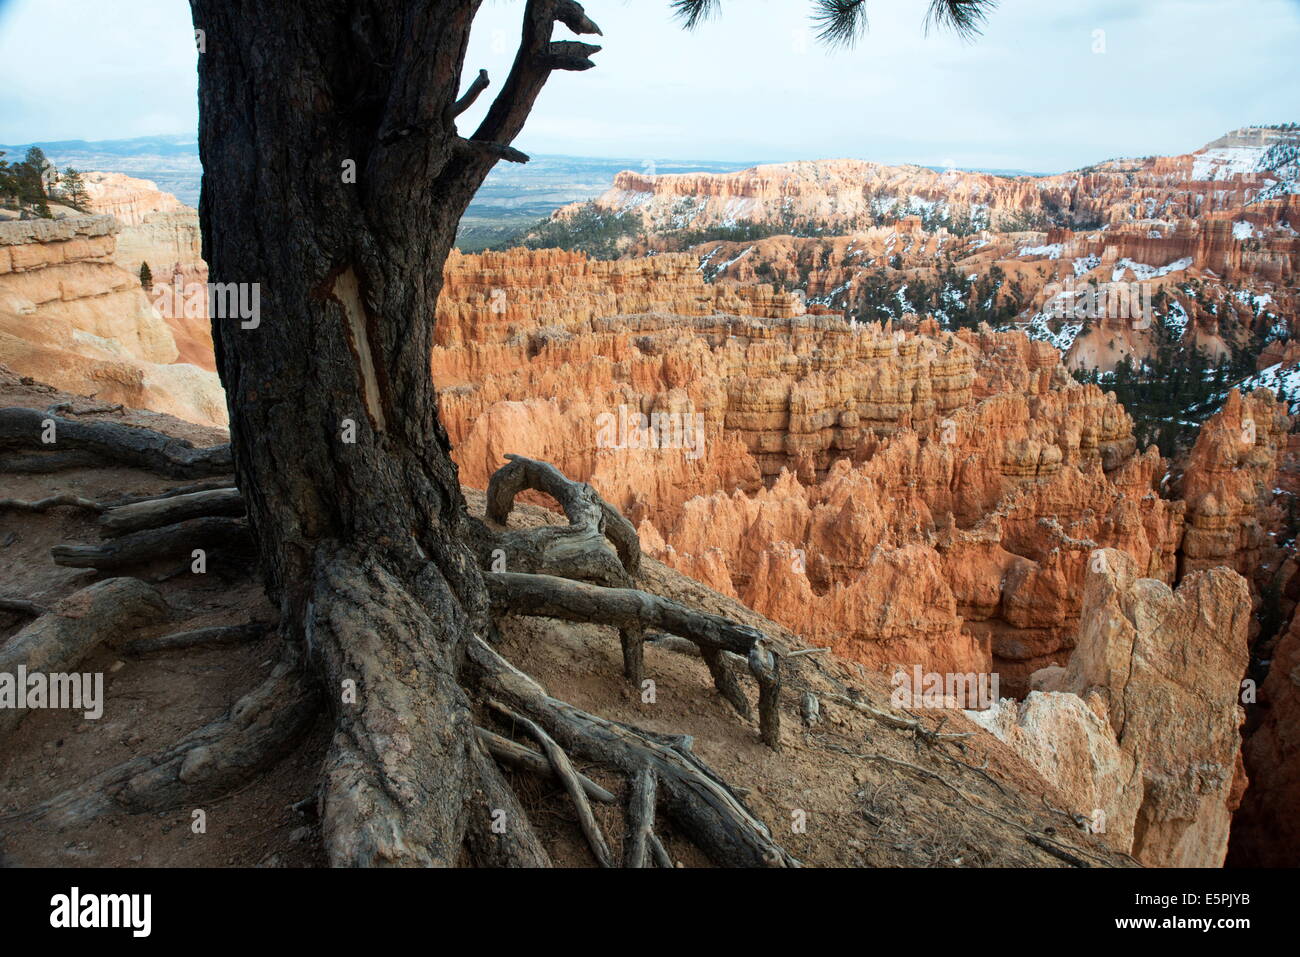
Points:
[(848, 792)]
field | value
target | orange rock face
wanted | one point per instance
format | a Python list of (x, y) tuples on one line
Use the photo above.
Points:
[(1141, 730), (72, 317), (1209, 232), (927, 498), (1228, 487), (842, 195)]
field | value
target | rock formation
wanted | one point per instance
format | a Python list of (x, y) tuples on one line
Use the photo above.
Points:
[(1208, 235), (71, 317), (1144, 728), (927, 497), (128, 200), (842, 195), (1228, 486)]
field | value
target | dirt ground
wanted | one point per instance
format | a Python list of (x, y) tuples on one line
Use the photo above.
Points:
[(849, 792)]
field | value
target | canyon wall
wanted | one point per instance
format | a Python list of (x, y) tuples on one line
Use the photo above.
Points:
[(72, 317)]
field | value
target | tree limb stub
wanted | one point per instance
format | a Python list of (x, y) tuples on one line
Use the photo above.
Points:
[(490, 150), (467, 100)]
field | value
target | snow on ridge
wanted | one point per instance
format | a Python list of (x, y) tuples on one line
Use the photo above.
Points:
[(1052, 251), (1143, 271), (1086, 264), (1226, 161)]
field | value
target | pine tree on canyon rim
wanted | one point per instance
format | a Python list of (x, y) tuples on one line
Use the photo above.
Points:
[(367, 547)]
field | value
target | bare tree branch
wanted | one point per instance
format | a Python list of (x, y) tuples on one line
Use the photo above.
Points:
[(536, 58), (467, 100)]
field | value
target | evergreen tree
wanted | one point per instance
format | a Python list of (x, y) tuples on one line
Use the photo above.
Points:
[(8, 181), (30, 181), (74, 189)]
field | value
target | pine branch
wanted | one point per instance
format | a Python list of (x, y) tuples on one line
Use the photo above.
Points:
[(692, 13), (964, 17)]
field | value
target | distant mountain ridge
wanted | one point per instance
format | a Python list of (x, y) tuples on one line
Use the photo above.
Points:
[(839, 196)]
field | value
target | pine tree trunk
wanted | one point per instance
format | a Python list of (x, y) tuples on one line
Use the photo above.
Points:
[(346, 473), (351, 490)]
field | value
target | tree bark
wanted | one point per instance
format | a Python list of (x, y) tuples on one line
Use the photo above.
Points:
[(345, 469)]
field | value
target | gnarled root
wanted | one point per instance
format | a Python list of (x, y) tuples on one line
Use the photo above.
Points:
[(57, 641), (257, 731), (697, 800), (399, 658), (579, 550), (152, 544), (550, 597), (517, 756), (159, 512), (541, 559), (217, 636)]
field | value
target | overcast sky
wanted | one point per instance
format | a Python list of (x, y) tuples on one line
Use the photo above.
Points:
[(1052, 84)]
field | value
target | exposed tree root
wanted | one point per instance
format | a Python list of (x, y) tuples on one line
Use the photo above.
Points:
[(215, 637), (699, 802), (914, 725), (156, 543), (41, 463), (500, 834), (79, 443), (101, 408), (543, 559), (52, 501), (409, 779), (189, 488), (257, 731), (517, 756), (549, 597), (21, 606), (159, 512), (57, 641), (640, 820), (564, 770), (577, 550)]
